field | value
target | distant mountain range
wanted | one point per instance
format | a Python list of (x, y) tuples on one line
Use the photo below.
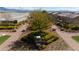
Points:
[(3, 9)]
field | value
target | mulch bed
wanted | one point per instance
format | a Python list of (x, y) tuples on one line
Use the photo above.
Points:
[(58, 45)]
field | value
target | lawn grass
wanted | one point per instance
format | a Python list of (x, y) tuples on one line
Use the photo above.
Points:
[(76, 38), (3, 38)]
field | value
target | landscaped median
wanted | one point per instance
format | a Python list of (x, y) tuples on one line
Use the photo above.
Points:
[(3, 38), (37, 40), (76, 38)]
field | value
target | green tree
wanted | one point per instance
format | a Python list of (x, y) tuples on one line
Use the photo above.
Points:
[(40, 20)]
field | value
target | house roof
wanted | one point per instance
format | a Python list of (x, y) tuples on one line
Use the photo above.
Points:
[(69, 15)]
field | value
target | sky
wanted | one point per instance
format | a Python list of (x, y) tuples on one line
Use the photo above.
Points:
[(46, 8)]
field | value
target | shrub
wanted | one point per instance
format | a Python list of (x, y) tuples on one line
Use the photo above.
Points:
[(62, 29), (23, 30), (14, 31), (38, 33), (7, 27), (75, 28), (50, 37), (46, 37)]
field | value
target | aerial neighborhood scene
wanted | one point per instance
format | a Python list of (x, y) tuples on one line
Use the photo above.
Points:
[(39, 29)]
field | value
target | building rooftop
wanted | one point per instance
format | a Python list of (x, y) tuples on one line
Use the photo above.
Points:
[(71, 15)]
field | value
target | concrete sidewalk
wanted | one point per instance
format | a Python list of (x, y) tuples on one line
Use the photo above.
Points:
[(67, 37), (14, 37)]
